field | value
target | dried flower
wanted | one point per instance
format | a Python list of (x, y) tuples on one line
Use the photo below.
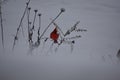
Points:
[(29, 8), (73, 42), (62, 9), (35, 10), (39, 14)]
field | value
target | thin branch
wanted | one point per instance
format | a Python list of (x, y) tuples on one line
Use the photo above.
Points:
[(16, 36), (39, 24), (81, 30), (74, 37), (28, 14), (72, 28), (38, 38), (1, 21), (34, 19)]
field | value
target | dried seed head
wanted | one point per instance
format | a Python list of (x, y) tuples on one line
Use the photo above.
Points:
[(29, 8), (62, 9), (35, 10), (39, 14), (16, 38), (73, 42), (26, 3)]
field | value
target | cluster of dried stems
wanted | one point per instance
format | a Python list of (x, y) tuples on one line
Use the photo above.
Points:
[(31, 28)]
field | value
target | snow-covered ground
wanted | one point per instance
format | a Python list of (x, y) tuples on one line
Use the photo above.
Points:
[(93, 57)]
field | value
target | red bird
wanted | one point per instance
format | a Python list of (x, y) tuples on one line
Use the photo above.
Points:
[(54, 35)]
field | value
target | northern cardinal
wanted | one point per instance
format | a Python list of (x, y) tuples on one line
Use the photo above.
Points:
[(54, 35)]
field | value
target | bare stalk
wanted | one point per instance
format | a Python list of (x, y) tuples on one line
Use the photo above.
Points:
[(1, 21), (38, 40), (28, 14), (34, 19), (72, 28), (16, 36)]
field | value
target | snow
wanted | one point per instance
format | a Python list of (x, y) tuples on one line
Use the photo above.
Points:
[(93, 56)]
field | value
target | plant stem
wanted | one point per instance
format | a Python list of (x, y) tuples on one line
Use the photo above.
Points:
[(1, 21), (28, 13), (39, 24), (16, 36), (34, 19)]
